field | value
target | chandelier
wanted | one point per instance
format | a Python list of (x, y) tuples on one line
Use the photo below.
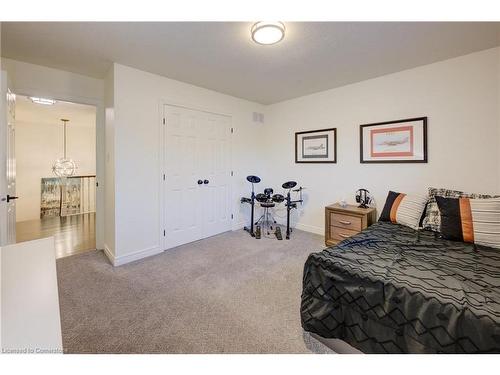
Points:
[(64, 167)]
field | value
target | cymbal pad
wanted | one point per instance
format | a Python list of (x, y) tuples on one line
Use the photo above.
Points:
[(289, 185), (253, 179)]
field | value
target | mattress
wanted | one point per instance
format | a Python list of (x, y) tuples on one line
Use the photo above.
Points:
[(391, 289)]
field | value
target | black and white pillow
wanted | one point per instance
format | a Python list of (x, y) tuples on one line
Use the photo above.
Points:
[(404, 209), (432, 219), (471, 220)]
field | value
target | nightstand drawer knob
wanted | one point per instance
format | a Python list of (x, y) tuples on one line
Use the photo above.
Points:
[(345, 222), (344, 235)]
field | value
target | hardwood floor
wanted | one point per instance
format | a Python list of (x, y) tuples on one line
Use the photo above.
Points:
[(73, 234)]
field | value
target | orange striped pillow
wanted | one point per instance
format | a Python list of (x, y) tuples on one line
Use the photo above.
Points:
[(404, 209)]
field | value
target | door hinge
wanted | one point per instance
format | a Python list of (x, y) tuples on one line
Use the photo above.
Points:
[(232, 216), (164, 177), (232, 130), (231, 173), (164, 232), (164, 122)]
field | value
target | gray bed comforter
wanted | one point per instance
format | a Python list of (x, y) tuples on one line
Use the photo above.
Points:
[(390, 289)]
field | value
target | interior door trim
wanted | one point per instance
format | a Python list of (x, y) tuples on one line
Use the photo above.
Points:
[(161, 175), (100, 153)]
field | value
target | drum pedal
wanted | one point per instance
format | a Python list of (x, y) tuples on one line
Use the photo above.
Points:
[(257, 232), (278, 233)]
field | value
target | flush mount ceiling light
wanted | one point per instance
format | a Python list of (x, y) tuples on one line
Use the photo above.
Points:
[(43, 101), (268, 32)]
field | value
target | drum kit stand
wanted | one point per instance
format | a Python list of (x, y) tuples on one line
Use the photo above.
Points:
[(268, 200)]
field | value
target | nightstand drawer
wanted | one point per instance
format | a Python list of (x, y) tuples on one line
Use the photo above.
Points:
[(346, 221), (339, 234)]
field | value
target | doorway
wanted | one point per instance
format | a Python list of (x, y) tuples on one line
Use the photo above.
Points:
[(197, 174), (55, 153)]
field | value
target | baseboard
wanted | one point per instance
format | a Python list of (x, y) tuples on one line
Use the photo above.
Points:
[(237, 226), (136, 255), (304, 227), (109, 254), (310, 228)]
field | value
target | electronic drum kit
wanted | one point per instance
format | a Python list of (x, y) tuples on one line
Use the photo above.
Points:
[(268, 200)]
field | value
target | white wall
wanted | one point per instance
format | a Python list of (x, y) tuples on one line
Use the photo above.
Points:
[(137, 99), (109, 169), (35, 80), (461, 100), (498, 112), (2, 173), (38, 145)]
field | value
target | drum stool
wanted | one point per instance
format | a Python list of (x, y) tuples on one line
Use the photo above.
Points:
[(267, 220)]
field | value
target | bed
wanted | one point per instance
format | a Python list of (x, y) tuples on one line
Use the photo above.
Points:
[(391, 289)]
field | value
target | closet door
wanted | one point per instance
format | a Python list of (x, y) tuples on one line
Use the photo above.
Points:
[(197, 175), (216, 170), (183, 209)]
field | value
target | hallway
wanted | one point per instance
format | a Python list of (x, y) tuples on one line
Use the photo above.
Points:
[(73, 234)]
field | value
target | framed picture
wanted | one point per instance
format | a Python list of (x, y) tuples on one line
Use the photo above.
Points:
[(401, 141), (316, 146)]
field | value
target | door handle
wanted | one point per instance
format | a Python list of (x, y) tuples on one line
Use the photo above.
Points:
[(11, 198), (200, 182), (206, 182)]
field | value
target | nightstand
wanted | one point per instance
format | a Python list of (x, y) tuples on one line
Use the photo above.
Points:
[(344, 222)]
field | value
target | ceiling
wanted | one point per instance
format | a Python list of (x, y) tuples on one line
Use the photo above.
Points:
[(80, 115), (314, 56)]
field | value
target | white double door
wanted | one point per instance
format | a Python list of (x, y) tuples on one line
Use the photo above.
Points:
[(197, 178)]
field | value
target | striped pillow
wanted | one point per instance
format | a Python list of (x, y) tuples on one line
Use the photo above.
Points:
[(403, 209), (471, 220), (432, 219)]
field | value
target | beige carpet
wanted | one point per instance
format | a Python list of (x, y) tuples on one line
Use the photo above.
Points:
[(225, 294)]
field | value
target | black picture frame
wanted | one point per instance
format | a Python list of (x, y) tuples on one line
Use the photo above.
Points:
[(424, 141), (313, 134)]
